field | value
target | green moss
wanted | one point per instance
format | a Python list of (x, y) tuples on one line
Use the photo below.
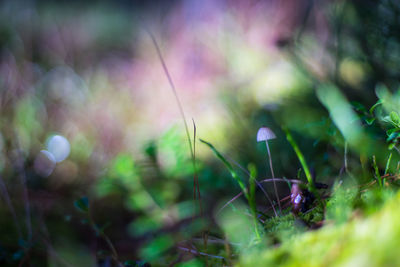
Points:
[(362, 241)]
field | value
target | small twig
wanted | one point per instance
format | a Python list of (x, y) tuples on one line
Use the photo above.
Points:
[(22, 176), (262, 181), (228, 251), (281, 200), (196, 186), (229, 202), (258, 184), (27, 206), (295, 181), (216, 241), (24, 259), (171, 83), (106, 239), (50, 249), (250, 215), (345, 156), (273, 175), (195, 252), (192, 150), (6, 196)]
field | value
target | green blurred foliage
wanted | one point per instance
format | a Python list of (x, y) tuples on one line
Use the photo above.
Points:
[(88, 72)]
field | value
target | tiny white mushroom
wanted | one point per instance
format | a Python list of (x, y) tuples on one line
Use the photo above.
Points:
[(265, 134)]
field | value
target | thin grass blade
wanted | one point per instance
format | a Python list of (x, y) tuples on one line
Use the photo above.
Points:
[(301, 158), (234, 175)]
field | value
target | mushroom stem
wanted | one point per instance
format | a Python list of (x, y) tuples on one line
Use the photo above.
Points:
[(273, 175)]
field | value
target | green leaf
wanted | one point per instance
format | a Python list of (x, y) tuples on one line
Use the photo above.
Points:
[(369, 121), (341, 113), (388, 163), (24, 244), (393, 136), (131, 263), (387, 119), (390, 131), (18, 255), (377, 174), (151, 150), (123, 166), (372, 109), (82, 204), (391, 146), (394, 117), (358, 106), (107, 224)]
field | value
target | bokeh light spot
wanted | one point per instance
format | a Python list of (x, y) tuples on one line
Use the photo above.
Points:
[(58, 146), (44, 163)]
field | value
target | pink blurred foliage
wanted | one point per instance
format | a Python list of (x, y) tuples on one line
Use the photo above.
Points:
[(136, 103)]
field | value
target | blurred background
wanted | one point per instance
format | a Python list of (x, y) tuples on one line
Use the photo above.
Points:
[(94, 158)]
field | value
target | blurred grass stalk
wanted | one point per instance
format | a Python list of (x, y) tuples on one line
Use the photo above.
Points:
[(196, 186), (234, 174), (252, 197), (249, 194), (301, 158)]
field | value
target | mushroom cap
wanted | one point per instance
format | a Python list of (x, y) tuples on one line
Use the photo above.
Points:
[(264, 134)]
